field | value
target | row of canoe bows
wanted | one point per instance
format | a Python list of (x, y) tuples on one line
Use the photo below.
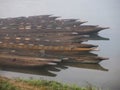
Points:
[(68, 34)]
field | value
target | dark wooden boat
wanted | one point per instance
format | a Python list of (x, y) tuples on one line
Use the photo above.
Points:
[(46, 48), (85, 59), (24, 61)]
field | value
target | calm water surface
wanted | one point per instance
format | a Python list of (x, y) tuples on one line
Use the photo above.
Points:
[(97, 12)]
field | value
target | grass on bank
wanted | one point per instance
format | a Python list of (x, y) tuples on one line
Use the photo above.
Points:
[(19, 84)]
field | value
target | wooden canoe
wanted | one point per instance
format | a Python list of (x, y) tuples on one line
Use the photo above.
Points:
[(46, 48), (23, 61)]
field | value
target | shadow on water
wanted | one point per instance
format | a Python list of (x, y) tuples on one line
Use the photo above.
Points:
[(33, 70), (85, 66), (46, 70)]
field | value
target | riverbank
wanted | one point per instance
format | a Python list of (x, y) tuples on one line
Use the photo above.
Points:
[(20, 84)]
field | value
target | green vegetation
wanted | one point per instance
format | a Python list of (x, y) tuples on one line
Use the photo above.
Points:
[(19, 84), (4, 85)]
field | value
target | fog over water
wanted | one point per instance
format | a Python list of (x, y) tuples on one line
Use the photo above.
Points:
[(96, 12)]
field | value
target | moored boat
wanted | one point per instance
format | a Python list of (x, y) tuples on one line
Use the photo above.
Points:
[(46, 33), (47, 48), (23, 61), (86, 60)]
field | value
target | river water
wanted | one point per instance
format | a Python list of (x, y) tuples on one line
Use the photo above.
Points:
[(96, 12)]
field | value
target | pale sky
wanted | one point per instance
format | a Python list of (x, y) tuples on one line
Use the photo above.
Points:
[(65, 8)]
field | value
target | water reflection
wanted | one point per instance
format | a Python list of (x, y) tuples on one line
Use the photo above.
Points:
[(86, 66), (46, 71), (34, 70)]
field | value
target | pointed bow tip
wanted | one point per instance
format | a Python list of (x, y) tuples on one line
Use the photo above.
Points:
[(95, 49), (83, 21), (104, 58), (105, 28), (51, 63)]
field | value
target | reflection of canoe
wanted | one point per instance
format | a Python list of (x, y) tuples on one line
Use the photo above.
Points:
[(34, 70), (46, 71), (85, 59), (84, 66)]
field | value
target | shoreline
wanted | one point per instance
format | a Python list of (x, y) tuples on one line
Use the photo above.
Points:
[(31, 84)]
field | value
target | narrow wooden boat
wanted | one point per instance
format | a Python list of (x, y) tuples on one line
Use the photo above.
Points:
[(86, 60), (46, 48), (24, 61)]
